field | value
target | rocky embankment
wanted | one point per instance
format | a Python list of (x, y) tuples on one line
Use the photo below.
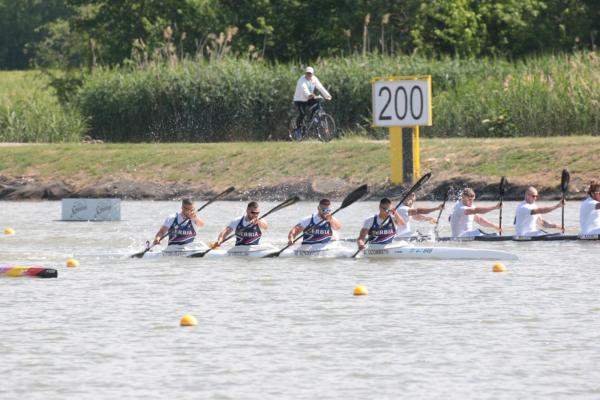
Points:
[(31, 188)]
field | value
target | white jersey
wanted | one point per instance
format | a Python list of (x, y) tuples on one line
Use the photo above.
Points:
[(525, 221), (304, 88), (235, 222), (180, 218), (404, 230), (589, 217), (459, 221)]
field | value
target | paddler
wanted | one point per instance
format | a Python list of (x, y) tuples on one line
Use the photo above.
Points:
[(528, 218), (407, 211), (465, 213), (381, 227), (589, 212), (318, 227), (248, 228), (180, 226)]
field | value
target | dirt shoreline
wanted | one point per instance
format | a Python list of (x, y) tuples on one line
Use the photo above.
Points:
[(34, 188)]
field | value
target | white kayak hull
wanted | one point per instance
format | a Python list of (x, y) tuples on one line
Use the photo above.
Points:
[(256, 251), (333, 249), (177, 250), (396, 251)]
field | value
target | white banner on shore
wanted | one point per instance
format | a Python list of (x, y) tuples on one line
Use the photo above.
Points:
[(91, 209)]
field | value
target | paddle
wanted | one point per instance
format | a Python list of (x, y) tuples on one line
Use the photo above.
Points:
[(501, 191), (286, 203), (437, 222), (413, 189), (348, 200), (212, 200), (564, 186)]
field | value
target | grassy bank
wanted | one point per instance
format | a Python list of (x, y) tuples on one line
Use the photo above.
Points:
[(250, 165), (30, 111)]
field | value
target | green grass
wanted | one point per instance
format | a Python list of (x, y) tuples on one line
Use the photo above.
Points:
[(30, 112), (250, 164)]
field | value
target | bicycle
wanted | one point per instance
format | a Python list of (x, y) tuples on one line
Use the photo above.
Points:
[(316, 124)]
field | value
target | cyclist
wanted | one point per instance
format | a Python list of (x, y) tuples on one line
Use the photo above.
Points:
[(304, 97)]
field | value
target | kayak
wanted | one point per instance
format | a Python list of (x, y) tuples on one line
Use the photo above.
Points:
[(259, 251), (406, 251), (330, 249), (177, 250), (556, 237), (19, 270)]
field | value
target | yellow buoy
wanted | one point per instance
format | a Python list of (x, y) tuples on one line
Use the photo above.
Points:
[(360, 291), (72, 263), (499, 267), (188, 320), (9, 231)]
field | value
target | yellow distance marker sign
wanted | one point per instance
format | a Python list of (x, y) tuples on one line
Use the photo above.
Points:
[(402, 104), (403, 101)]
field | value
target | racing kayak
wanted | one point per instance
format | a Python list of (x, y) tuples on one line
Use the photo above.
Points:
[(542, 238), (177, 250), (406, 251), (19, 270), (258, 250), (330, 249)]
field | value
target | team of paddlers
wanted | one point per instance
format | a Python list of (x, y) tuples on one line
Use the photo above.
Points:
[(388, 223)]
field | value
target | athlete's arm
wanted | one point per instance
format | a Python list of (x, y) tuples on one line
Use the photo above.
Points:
[(544, 210), (484, 222), (161, 232), (361, 238), (294, 232), (224, 233)]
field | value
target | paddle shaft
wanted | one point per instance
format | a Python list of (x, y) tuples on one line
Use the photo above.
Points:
[(437, 222)]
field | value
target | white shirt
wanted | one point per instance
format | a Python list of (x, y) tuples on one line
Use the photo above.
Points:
[(459, 221), (525, 221), (304, 222), (234, 222), (304, 88), (589, 216), (406, 229), (180, 218), (369, 221)]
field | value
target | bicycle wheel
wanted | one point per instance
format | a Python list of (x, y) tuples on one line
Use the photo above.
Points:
[(326, 128), (292, 133)]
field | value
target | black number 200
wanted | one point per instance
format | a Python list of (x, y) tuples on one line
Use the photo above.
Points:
[(401, 114)]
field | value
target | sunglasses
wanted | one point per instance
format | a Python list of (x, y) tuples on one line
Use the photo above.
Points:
[(532, 195), (325, 210), (386, 209), (254, 212)]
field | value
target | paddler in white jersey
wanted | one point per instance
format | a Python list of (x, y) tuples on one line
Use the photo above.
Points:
[(248, 228), (381, 227), (528, 218), (465, 213), (318, 227), (589, 212), (407, 211), (181, 226)]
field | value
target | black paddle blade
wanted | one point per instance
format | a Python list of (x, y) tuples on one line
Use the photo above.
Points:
[(355, 195), (564, 180), (503, 186)]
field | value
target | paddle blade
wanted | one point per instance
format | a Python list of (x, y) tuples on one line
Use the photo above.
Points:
[(564, 180), (355, 195), (503, 186)]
